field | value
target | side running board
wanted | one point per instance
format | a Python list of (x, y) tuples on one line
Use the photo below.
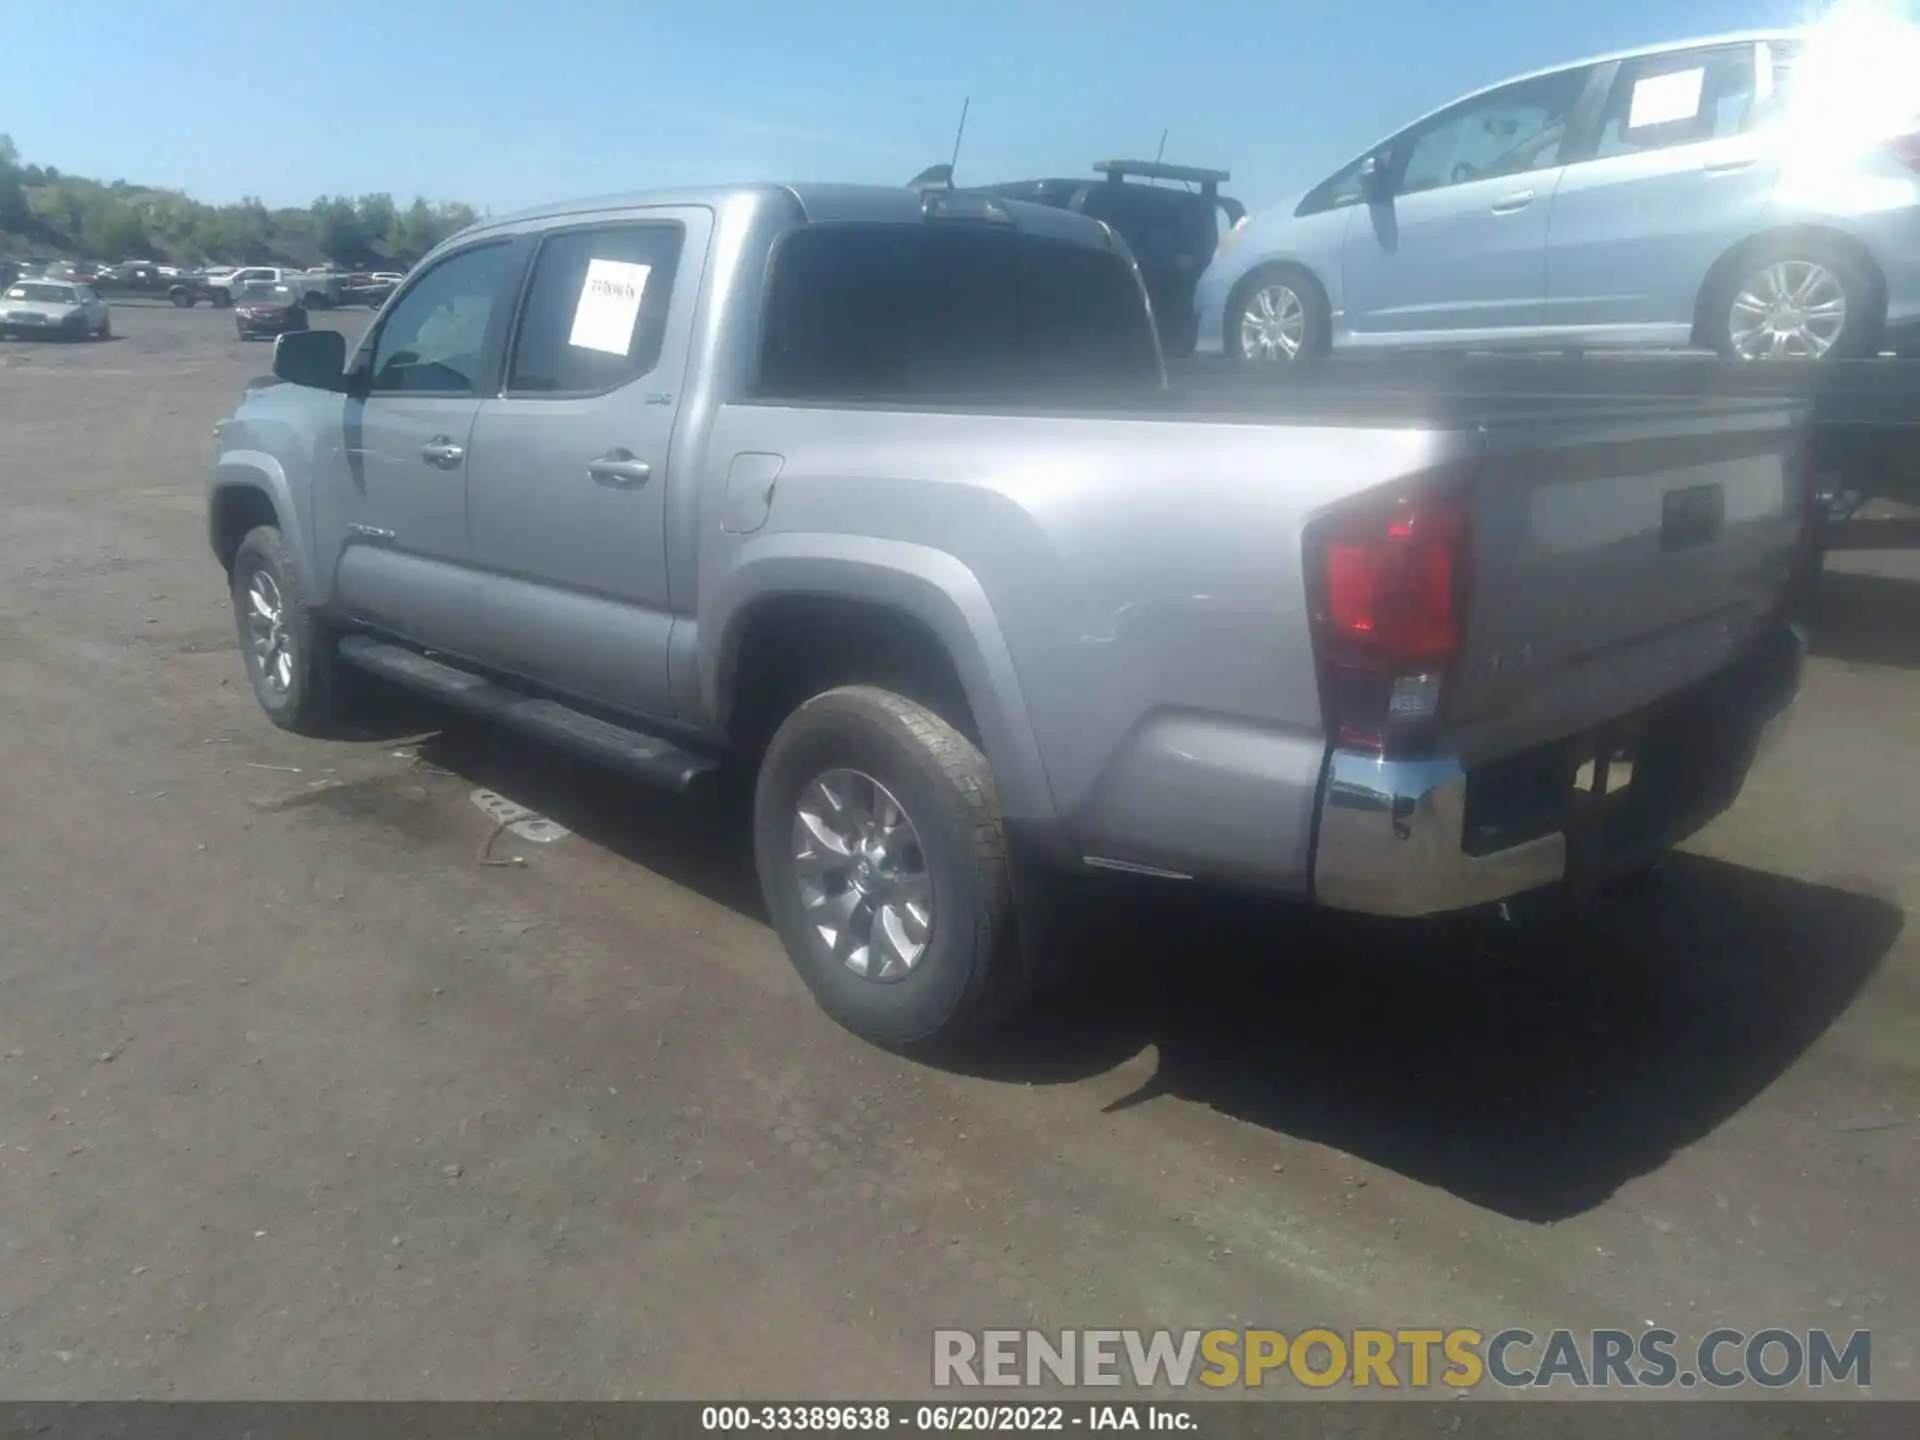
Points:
[(644, 757)]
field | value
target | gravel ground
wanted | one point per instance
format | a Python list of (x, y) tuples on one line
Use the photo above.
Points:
[(299, 1100)]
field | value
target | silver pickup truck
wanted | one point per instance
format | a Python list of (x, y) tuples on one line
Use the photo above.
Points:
[(886, 495)]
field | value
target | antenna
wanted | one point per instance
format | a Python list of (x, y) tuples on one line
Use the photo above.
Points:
[(1161, 153), (958, 136)]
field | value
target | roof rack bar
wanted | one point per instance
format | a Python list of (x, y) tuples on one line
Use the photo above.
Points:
[(1154, 170)]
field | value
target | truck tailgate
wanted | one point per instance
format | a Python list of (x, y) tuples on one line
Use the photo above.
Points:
[(1616, 559)]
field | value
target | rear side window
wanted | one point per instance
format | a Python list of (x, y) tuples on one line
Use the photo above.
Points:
[(1661, 101), (901, 312), (596, 310)]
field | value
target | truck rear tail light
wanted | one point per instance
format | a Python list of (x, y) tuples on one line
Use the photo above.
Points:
[(1387, 593), (1906, 150)]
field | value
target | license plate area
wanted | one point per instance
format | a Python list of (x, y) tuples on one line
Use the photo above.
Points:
[(1585, 783)]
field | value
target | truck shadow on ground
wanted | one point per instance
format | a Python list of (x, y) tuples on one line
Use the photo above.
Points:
[(1899, 533), (1529, 1070), (1867, 619)]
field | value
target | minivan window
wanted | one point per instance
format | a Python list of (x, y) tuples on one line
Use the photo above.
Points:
[(1341, 188), (433, 339), (596, 310), (1660, 101), (900, 312), (1509, 131)]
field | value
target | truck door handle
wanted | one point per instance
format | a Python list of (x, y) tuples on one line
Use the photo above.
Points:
[(442, 452), (1730, 167), (1519, 200), (619, 470)]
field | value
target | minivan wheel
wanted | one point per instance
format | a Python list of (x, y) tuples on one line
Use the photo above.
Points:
[(1795, 300), (288, 650), (1277, 317), (878, 839)]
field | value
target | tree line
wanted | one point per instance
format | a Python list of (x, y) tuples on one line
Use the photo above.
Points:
[(44, 212)]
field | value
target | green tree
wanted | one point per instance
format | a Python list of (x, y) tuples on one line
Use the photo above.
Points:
[(337, 230), (15, 214), (413, 232), (112, 229), (377, 218), (231, 233), (452, 217)]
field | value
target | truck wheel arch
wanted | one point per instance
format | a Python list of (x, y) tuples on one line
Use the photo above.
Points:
[(904, 591), (249, 489), (237, 509)]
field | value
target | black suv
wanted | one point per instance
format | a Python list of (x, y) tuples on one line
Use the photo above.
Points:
[(1172, 229)]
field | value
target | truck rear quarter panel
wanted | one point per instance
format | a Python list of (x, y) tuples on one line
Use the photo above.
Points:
[(1143, 580)]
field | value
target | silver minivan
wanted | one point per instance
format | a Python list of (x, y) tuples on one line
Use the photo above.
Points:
[(1688, 194)]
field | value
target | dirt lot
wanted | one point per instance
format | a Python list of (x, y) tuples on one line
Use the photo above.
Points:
[(298, 1099)]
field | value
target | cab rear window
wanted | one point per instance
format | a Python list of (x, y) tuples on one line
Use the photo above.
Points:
[(904, 312)]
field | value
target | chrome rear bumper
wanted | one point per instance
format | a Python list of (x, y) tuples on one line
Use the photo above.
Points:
[(1391, 837)]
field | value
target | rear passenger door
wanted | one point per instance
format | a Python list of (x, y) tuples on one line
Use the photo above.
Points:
[(1673, 177), (572, 462)]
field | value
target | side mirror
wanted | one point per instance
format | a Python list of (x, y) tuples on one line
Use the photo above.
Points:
[(1373, 177), (314, 358)]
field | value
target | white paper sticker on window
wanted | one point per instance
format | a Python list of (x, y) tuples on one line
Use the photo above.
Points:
[(609, 304), (1666, 99)]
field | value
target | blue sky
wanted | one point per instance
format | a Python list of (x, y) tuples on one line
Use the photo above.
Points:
[(505, 103)]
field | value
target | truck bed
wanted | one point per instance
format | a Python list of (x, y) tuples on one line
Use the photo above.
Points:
[(1865, 414)]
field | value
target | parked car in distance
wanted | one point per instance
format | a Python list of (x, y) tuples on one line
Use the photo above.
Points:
[(319, 290), (136, 276), (1671, 196), (979, 599), (263, 309), (369, 290), (54, 309), (1172, 229), (187, 291)]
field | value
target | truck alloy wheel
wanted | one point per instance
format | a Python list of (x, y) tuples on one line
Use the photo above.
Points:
[(269, 646), (861, 875), (878, 839), (289, 651)]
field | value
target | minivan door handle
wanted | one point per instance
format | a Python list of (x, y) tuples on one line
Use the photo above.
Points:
[(619, 470), (1730, 167), (1519, 200), (442, 452)]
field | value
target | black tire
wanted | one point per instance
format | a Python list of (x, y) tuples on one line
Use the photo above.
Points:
[(1315, 314), (221, 300), (105, 332), (1865, 298), (969, 977), (309, 702)]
